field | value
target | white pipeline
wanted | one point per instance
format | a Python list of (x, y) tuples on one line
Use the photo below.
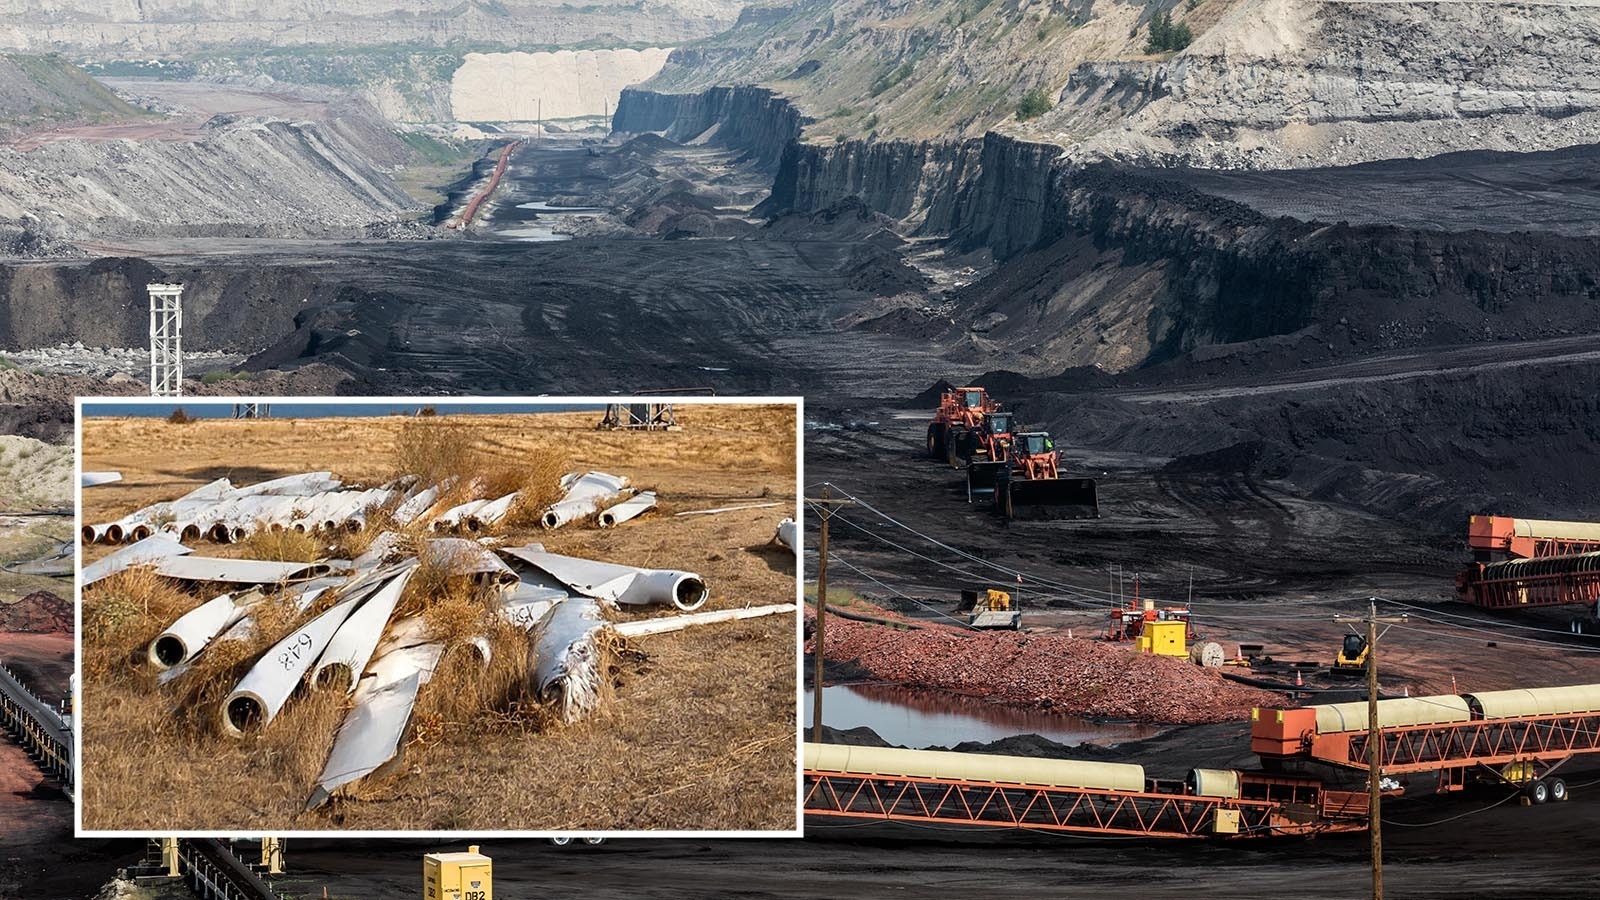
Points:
[(628, 509)]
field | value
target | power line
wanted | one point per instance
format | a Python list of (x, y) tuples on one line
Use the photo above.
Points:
[(1439, 612), (843, 562)]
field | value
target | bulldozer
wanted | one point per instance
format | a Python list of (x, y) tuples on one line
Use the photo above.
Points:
[(1351, 661), (961, 410), (1030, 483)]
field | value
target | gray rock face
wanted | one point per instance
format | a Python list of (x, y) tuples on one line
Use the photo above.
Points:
[(249, 177), (168, 27), (752, 119)]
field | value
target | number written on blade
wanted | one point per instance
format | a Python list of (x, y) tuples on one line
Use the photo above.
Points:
[(293, 653)]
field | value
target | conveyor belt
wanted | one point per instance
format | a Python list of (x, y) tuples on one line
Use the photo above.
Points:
[(36, 725), (1278, 806)]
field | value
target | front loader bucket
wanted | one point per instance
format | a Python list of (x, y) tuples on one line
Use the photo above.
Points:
[(981, 477), (1053, 498)]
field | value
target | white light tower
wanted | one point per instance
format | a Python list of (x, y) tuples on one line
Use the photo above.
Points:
[(166, 340)]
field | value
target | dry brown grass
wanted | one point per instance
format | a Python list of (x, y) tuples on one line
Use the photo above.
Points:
[(124, 613), (435, 448), (700, 731), (286, 545), (441, 449)]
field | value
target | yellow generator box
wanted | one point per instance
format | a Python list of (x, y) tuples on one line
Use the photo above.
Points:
[(457, 876), (1164, 638)]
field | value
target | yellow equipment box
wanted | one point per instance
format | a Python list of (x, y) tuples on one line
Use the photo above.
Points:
[(1164, 638), (458, 876)]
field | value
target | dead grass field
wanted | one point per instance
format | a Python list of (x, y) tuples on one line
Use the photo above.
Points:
[(699, 735)]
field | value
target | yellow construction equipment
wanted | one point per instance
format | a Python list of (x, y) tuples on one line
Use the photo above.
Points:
[(1352, 659), (458, 876), (1164, 637), (991, 609)]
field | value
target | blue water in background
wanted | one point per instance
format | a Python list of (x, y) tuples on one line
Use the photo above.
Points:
[(213, 410)]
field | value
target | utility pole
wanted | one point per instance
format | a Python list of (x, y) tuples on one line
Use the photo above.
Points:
[(825, 510), (1374, 743)]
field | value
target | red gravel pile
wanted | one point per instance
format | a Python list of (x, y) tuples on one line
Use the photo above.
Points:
[(1086, 678), (41, 612)]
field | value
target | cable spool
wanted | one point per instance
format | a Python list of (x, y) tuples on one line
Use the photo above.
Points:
[(1208, 654)]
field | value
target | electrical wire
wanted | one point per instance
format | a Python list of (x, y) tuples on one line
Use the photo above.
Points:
[(1499, 638), (1465, 618), (1473, 812), (835, 557)]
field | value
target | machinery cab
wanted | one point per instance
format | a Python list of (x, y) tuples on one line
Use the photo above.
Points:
[(960, 411), (1353, 654), (994, 437), (1036, 455), (976, 398)]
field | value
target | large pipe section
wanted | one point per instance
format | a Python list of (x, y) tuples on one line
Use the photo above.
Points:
[(994, 769), (194, 630), (584, 495), (1396, 713), (628, 509), (263, 691), (618, 584), (1497, 536), (151, 549), (352, 646)]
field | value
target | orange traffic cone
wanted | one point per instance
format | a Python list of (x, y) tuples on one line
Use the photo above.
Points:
[(1298, 681)]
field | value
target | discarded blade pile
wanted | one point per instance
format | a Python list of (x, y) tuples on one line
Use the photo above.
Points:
[(350, 631), (319, 502), (1055, 672)]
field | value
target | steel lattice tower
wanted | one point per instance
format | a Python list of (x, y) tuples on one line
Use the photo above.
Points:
[(166, 340)]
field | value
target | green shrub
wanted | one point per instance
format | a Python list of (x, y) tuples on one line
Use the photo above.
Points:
[(1033, 104), (1165, 36)]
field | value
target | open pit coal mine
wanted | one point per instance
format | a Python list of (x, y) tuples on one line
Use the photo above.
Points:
[(1289, 384)]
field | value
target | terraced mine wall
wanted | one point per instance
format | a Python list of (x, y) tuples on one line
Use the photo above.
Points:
[(1228, 272), (747, 118)]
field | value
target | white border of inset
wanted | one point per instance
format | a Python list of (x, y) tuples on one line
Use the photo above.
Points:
[(534, 404)]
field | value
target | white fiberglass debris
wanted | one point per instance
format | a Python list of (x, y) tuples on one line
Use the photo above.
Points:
[(381, 548), (628, 509), (347, 655), (267, 686), (615, 583), (453, 517), (419, 503), (724, 509), (788, 534), (585, 494), (529, 603), (565, 658), (149, 550), (373, 729), (193, 631), (643, 627), (95, 479), (238, 571), (489, 513), (462, 557)]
